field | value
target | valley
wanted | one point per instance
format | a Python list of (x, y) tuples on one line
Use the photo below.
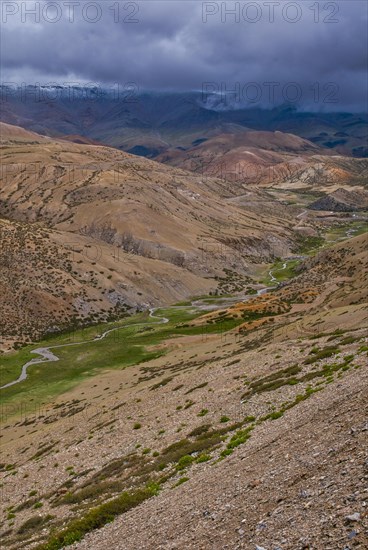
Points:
[(135, 342), (184, 275), (166, 333), (209, 389)]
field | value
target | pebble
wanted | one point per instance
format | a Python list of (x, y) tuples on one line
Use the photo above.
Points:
[(353, 517)]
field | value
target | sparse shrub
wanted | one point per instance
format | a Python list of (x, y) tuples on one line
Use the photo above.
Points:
[(184, 462), (33, 523), (275, 415), (203, 458), (98, 517), (226, 452), (200, 430), (322, 354), (89, 492), (181, 480), (239, 438)]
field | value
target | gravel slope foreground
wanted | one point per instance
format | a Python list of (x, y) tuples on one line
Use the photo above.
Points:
[(299, 483)]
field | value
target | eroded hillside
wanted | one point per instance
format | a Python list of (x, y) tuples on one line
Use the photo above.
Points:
[(270, 159), (105, 231)]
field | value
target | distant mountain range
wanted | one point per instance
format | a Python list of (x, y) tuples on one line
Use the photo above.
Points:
[(148, 124)]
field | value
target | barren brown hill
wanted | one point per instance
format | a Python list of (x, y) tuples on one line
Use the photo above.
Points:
[(10, 133), (267, 158), (118, 197), (339, 274), (334, 279), (53, 280), (82, 140), (129, 231), (342, 200)]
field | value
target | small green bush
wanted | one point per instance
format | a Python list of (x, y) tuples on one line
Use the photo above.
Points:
[(239, 438), (184, 462), (203, 458), (322, 354), (181, 480), (200, 430), (98, 517), (33, 523)]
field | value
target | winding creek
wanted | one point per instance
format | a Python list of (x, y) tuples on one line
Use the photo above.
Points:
[(48, 356), (273, 278)]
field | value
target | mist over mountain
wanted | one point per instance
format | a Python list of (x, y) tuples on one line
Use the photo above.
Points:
[(149, 123), (291, 48)]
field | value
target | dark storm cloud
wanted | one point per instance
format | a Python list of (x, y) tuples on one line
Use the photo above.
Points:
[(179, 45)]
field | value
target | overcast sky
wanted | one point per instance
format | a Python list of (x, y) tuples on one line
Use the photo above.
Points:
[(312, 52)]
